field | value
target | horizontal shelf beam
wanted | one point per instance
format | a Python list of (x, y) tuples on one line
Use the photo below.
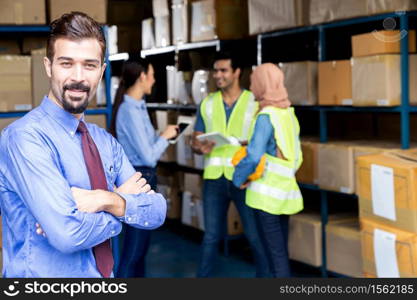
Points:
[(166, 106), (155, 51), (25, 28)]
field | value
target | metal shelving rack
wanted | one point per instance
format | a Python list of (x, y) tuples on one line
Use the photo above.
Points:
[(321, 30), (25, 29)]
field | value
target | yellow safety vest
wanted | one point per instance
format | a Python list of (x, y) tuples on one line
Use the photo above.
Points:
[(219, 160), (277, 192)]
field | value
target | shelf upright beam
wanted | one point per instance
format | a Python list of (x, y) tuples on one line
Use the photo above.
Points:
[(405, 92), (107, 79), (322, 57), (259, 49), (324, 219)]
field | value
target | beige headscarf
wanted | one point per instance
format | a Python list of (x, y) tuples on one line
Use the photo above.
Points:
[(267, 84)]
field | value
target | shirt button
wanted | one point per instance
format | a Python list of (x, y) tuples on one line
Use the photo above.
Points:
[(72, 132), (146, 224), (113, 232), (129, 219)]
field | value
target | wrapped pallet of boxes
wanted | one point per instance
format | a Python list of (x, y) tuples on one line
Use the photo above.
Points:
[(162, 31), (185, 155), (192, 211), (388, 252), (160, 8), (383, 6), (23, 12), (97, 9), (15, 83), (387, 190), (40, 82), (343, 248), (193, 184), (308, 172), (301, 82), (163, 119), (148, 35), (201, 85), (267, 16), (305, 238), (181, 19), (322, 11), (335, 82), (376, 80), (219, 19), (381, 42)]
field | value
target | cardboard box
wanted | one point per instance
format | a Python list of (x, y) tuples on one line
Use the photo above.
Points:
[(193, 183), (322, 11), (160, 8), (169, 187), (343, 248), (234, 222), (301, 82), (387, 190), (376, 80), (22, 12), (337, 163), (308, 172), (383, 6), (162, 31), (9, 47), (15, 83), (99, 120), (305, 238), (4, 122), (40, 81), (97, 9), (388, 251), (381, 42), (267, 16), (215, 19), (335, 82), (181, 19), (148, 36), (33, 43)]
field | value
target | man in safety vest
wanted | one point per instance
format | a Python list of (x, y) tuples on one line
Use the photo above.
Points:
[(229, 111)]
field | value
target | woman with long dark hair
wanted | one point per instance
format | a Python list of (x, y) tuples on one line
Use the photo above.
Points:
[(132, 127)]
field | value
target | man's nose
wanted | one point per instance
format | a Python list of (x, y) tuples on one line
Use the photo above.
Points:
[(77, 73)]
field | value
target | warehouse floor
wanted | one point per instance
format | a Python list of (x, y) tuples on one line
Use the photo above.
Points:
[(175, 250)]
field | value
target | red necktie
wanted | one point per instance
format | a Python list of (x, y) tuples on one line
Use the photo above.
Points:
[(102, 252)]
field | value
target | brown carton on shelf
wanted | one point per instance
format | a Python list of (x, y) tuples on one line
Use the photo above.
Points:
[(383, 6), (343, 248), (388, 251), (169, 187), (308, 172), (40, 81), (335, 82), (8, 46), (97, 9), (22, 12), (215, 19), (387, 190), (301, 82), (376, 80), (194, 184), (15, 83), (33, 43), (99, 120), (234, 223), (267, 16), (322, 11), (381, 42), (305, 238)]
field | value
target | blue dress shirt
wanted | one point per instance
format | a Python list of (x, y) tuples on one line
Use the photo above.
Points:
[(262, 141), (41, 159), (143, 146)]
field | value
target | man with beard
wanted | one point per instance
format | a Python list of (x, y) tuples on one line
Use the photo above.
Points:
[(59, 173)]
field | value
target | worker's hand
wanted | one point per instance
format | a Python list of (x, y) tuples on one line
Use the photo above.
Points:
[(245, 185), (201, 147), (39, 230), (207, 146), (170, 132), (134, 185)]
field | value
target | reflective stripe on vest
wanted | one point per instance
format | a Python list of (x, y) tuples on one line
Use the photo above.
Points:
[(218, 161), (250, 112), (279, 169), (275, 192)]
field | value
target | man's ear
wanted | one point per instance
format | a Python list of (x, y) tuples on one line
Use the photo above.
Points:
[(48, 66), (102, 70), (237, 72)]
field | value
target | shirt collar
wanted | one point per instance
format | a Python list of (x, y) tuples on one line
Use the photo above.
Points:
[(139, 104), (64, 118)]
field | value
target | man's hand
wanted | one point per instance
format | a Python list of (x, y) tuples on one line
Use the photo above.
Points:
[(203, 147), (134, 185), (89, 201), (245, 185)]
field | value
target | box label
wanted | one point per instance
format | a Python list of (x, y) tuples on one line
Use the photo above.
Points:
[(23, 107), (382, 102), (347, 102), (385, 254), (383, 198)]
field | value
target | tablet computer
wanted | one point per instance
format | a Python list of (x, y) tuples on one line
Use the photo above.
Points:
[(216, 137), (181, 129)]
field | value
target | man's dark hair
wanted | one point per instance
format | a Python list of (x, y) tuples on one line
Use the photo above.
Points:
[(225, 55), (75, 26)]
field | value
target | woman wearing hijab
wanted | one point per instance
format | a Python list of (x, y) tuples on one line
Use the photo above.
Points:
[(275, 195)]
